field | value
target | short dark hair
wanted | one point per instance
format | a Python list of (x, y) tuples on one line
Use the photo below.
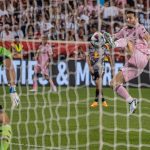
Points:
[(131, 12), (16, 37)]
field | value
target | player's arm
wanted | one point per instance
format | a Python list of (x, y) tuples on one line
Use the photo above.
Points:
[(37, 54), (147, 38), (144, 34), (119, 34), (89, 64), (112, 63)]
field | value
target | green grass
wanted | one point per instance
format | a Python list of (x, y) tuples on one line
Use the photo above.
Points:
[(65, 121)]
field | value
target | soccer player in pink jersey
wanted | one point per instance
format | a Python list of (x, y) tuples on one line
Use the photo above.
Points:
[(43, 57), (135, 39)]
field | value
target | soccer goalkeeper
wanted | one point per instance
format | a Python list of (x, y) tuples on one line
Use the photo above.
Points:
[(6, 61), (5, 130), (98, 52)]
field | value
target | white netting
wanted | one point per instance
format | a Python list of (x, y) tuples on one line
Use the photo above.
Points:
[(64, 120)]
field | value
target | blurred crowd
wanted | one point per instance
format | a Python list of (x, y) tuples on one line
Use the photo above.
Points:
[(69, 20)]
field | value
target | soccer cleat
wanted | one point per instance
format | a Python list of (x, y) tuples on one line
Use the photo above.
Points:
[(15, 99), (33, 90), (14, 96), (94, 104), (133, 106), (109, 40), (12, 89), (104, 103), (54, 89)]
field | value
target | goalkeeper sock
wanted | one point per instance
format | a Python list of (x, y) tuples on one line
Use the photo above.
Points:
[(12, 89), (121, 91)]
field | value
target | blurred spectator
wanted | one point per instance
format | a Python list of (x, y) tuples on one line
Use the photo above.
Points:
[(110, 11), (38, 33), (145, 20), (84, 16), (140, 4), (78, 54), (92, 5), (80, 7), (8, 20), (81, 34), (121, 3), (53, 35), (3, 11), (6, 34), (17, 32), (9, 6), (117, 27), (70, 35), (62, 34), (30, 32), (1, 29), (94, 17)]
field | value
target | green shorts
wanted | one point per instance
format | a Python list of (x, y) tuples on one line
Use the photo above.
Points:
[(4, 54), (5, 136)]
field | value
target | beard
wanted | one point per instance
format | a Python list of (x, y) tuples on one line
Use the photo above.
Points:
[(129, 25)]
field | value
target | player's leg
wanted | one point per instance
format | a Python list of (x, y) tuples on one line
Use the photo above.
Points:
[(116, 83), (98, 91), (46, 75), (10, 71), (11, 77), (37, 70)]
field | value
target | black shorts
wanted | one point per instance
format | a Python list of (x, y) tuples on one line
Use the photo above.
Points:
[(96, 76), (2, 58)]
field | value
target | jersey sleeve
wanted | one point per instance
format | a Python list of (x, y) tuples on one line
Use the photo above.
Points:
[(119, 34), (142, 31)]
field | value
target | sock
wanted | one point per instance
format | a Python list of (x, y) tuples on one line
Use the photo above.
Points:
[(103, 99), (96, 95), (12, 89), (35, 84), (51, 83), (121, 91)]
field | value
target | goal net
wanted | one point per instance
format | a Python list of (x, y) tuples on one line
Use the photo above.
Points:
[(64, 120)]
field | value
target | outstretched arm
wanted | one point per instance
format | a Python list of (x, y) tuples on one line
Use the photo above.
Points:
[(89, 64)]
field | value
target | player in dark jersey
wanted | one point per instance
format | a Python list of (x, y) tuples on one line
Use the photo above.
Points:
[(97, 53)]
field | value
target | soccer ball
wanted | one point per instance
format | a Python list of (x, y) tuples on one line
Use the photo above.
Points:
[(98, 40)]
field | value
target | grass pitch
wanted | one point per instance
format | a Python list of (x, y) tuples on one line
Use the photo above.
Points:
[(64, 120)]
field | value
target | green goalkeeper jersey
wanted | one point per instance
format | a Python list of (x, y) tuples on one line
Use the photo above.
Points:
[(5, 136), (4, 53)]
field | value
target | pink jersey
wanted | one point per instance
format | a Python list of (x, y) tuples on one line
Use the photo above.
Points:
[(136, 36), (45, 51)]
